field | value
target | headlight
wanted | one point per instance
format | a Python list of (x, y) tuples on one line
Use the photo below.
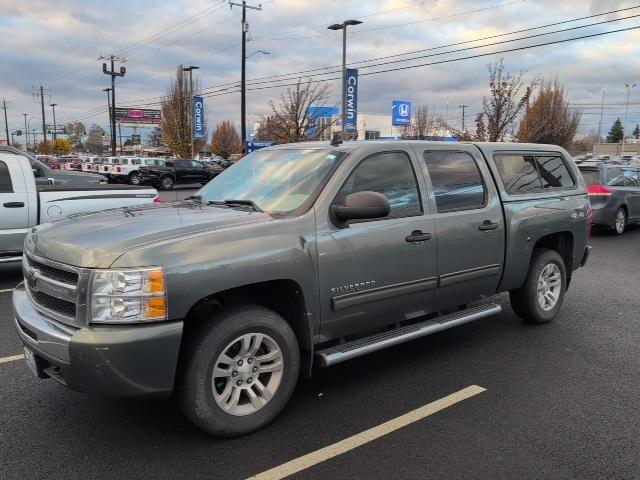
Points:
[(128, 296)]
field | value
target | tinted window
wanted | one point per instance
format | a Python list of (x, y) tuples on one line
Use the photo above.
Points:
[(591, 177), (614, 177), (554, 172), (196, 164), (390, 174), (518, 173), (5, 178), (631, 178), (456, 181)]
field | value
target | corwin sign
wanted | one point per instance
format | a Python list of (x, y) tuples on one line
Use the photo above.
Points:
[(351, 100), (198, 117)]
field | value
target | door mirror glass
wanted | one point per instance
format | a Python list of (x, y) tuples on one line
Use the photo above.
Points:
[(364, 205)]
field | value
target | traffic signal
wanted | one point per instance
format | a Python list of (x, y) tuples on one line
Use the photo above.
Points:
[(18, 132)]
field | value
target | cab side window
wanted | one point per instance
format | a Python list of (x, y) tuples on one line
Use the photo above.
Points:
[(5, 179), (554, 172), (391, 174), (519, 174), (456, 181)]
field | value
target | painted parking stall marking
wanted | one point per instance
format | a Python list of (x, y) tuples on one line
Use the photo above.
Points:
[(355, 441), (6, 290), (13, 358)]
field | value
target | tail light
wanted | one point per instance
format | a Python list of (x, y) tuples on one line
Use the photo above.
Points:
[(156, 199), (118, 169), (599, 190), (89, 166)]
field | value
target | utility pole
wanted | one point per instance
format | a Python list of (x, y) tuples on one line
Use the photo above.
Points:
[(44, 120), (604, 90), (245, 29), (6, 123), (114, 74), (190, 69), (343, 26), (26, 133), (55, 128), (463, 107), (626, 114), (108, 109), (120, 136)]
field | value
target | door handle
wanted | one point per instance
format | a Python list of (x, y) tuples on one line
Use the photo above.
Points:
[(488, 225), (13, 205), (418, 236)]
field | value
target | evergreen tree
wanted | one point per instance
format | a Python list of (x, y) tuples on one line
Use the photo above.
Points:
[(616, 133), (636, 132)]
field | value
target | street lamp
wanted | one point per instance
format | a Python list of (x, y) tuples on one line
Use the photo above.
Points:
[(26, 133), (626, 112), (264, 52), (604, 90), (190, 69), (343, 26), (55, 136)]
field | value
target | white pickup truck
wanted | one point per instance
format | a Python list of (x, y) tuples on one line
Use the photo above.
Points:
[(23, 204), (127, 170)]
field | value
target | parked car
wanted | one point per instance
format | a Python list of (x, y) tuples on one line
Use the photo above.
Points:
[(70, 163), (299, 255), (128, 172), (24, 205), (46, 176), (614, 191), (178, 171), (90, 164)]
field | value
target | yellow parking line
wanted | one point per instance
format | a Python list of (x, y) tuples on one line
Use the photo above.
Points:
[(355, 441), (11, 359)]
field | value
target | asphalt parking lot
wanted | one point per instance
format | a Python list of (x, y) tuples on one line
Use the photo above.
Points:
[(561, 401)]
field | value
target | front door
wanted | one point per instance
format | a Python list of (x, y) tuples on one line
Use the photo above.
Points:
[(469, 224), (378, 272), (14, 208)]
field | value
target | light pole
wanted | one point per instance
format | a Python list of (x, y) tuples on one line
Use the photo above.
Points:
[(190, 69), (108, 109), (626, 113), (343, 26), (113, 75), (604, 90), (55, 134), (26, 133)]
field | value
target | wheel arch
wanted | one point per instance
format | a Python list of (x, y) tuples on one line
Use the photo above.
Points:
[(561, 242)]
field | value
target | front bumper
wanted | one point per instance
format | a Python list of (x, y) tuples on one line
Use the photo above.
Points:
[(114, 361)]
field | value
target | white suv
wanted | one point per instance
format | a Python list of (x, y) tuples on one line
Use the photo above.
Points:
[(127, 169)]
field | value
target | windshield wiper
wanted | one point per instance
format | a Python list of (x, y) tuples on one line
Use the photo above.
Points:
[(248, 203)]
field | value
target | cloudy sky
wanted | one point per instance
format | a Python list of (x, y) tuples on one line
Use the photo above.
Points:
[(57, 44)]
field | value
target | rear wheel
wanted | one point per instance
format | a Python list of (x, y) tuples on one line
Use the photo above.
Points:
[(166, 183), (135, 178), (620, 221), (540, 298), (240, 372)]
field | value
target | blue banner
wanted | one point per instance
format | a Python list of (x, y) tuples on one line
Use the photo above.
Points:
[(351, 101), (401, 113), (198, 117)]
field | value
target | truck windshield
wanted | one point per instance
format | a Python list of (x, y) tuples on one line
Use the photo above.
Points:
[(280, 181)]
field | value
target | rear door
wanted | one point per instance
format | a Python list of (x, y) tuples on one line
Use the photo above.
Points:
[(14, 205), (632, 187), (468, 221), (183, 171), (200, 174)]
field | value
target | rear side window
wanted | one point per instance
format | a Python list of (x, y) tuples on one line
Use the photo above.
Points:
[(390, 174), (456, 181), (554, 172), (519, 174), (631, 178), (5, 179), (614, 177)]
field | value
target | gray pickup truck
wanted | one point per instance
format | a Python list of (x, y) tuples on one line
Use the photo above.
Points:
[(298, 255)]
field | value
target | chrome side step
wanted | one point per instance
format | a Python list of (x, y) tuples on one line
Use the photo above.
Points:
[(11, 259), (347, 351)]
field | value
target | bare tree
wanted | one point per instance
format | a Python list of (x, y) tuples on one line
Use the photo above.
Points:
[(508, 97), (424, 123), (549, 118), (290, 120), (225, 140), (175, 121)]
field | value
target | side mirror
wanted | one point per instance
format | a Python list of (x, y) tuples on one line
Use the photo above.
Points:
[(36, 172), (361, 206)]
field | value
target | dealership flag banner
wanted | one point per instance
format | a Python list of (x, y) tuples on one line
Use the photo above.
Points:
[(198, 117), (401, 113), (351, 101)]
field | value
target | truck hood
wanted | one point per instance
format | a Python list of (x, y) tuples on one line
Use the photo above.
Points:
[(96, 240)]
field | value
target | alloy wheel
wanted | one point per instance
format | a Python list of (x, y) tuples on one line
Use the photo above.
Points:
[(549, 287)]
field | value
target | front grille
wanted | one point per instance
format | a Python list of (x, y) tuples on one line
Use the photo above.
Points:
[(63, 276), (57, 305)]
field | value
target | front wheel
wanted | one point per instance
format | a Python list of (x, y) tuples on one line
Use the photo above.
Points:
[(240, 372), (135, 179), (540, 298)]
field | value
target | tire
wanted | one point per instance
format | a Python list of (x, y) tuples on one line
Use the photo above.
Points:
[(526, 302), (166, 182), (620, 221), (135, 179), (210, 401)]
